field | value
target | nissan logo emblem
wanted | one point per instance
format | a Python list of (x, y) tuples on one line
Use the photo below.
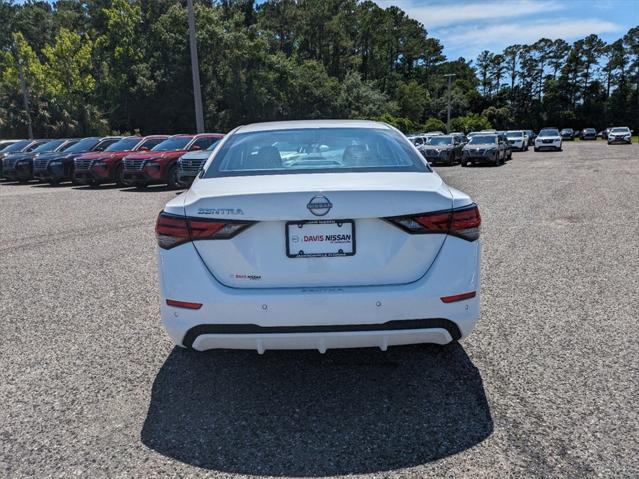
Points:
[(319, 205)]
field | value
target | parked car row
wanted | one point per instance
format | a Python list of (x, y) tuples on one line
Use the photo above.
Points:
[(124, 160), (622, 134)]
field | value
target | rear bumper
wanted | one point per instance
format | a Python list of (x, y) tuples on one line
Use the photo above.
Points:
[(319, 318), (438, 332)]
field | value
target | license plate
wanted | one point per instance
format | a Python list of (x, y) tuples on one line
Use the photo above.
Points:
[(322, 238)]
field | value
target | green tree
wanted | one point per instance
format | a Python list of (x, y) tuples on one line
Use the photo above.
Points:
[(434, 124), (471, 122)]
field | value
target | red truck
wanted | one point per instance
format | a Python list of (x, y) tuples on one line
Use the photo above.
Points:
[(159, 166), (98, 167)]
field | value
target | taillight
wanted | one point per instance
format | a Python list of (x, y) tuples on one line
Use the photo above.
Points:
[(465, 222), (173, 230), (462, 222)]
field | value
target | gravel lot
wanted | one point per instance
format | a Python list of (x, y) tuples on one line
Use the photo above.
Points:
[(547, 385)]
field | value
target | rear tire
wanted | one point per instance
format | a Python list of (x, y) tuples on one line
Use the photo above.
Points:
[(464, 163), (535, 149), (140, 186)]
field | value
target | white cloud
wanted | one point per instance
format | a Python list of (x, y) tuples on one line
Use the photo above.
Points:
[(439, 15), (508, 34)]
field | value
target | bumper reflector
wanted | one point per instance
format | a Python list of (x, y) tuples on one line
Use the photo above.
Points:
[(183, 304), (458, 297)]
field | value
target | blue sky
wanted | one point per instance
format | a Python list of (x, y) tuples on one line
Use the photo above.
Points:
[(466, 27)]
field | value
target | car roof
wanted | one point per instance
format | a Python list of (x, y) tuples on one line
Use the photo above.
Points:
[(298, 124)]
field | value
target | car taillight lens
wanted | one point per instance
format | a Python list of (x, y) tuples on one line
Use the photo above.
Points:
[(461, 222), (173, 230)]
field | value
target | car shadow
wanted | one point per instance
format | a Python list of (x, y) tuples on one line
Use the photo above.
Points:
[(150, 189), (106, 186), (299, 413)]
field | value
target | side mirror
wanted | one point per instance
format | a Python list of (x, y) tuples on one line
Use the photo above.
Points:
[(145, 148), (196, 148)]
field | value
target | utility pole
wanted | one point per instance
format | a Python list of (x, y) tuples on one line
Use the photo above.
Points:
[(450, 80), (195, 67), (25, 95)]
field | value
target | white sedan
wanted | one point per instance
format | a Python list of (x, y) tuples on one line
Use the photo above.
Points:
[(318, 235)]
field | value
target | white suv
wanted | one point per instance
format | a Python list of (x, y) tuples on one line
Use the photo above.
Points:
[(620, 134), (548, 139)]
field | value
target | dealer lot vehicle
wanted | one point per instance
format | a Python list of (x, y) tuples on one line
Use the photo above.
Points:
[(548, 139), (55, 168), (190, 164), (159, 166), (517, 140), (98, 167), (314, 247), (567, 134), (485, 148), (531, 137), (620, 134), (21, 146), (445, 149), (19, 166), (589, 134)]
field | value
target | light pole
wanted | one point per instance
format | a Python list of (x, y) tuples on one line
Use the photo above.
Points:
[(195, 67), (450, 80)]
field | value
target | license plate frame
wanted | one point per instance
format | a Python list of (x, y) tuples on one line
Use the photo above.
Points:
[(332, 254)]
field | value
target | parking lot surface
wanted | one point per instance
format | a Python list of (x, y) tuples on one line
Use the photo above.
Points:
[(546, 386)]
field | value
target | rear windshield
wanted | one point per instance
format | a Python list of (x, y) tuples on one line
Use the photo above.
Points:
[(440, 140), (514, 134), (483, 139), (125, 144), (48, 146), (315, 150), (172, 144), (549, 132)]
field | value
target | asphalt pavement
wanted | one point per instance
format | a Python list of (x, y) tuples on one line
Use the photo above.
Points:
[(546, 386)]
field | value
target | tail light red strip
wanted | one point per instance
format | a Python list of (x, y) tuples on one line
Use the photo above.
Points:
[(461, 222), (183, 304), (458, 297), (173, 230)]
